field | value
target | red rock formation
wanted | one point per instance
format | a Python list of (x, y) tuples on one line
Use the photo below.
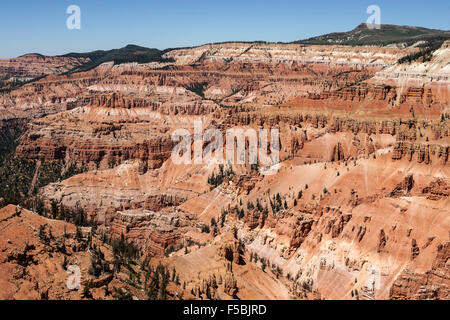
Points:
[(153, 232), (36, 253), (36, 65), (404, 187), (437, 190), (362, 178), (421, 153), (434, 284)]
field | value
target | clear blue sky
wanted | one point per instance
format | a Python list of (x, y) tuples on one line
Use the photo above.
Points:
[(40, 25)]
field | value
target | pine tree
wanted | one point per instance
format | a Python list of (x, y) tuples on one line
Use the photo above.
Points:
[(258, 205), (54, 209), (208, 291)]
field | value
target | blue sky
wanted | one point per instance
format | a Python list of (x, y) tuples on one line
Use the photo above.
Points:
[(40, 26)]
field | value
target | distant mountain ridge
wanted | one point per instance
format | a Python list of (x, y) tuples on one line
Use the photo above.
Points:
[(401, 36), (130, 53), (360, 36), (388, 34)]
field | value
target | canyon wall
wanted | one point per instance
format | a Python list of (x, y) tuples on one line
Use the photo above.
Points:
[(358, 208)]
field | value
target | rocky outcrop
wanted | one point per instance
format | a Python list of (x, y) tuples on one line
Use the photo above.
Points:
[(437, 189), (276, 53), (404, 187), (434, 284), (300, 233), (103, 144), (153, 232), (421, 153), (382, 241), (231, 250), (338, 153)]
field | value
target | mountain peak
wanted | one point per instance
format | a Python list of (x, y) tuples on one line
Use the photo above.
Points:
[(387, 34)]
